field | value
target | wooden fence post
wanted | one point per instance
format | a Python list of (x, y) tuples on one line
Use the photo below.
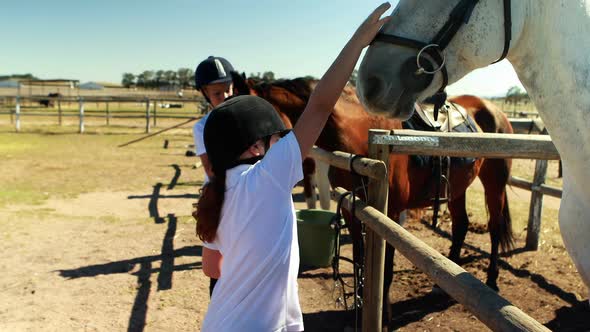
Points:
[(108, 114), (17, 114), (59, 114), (81, 127), (375, 245), (536, 208), (155, 112), (147, 115)]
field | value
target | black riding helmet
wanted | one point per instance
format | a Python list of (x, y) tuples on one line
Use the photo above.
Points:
[(213, 70), (235, 125)]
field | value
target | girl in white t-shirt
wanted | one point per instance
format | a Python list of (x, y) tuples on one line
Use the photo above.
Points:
[(246, 210), (214, 79)]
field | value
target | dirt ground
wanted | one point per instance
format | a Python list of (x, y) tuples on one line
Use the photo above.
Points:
[(103, 241)]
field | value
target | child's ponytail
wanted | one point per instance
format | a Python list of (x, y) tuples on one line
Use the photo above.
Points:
[(208, 212)]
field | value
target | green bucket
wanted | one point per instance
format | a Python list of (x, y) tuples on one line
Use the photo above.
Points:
[(316, 237)]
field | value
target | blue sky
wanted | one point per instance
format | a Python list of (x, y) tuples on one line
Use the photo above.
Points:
[(99, 40)]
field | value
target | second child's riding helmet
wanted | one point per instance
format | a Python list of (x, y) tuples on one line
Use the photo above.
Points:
[(235, 125), (213, 70)]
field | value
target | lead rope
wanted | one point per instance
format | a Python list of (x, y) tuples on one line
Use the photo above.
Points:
[(338, 280), (359, 271), (358, 267)]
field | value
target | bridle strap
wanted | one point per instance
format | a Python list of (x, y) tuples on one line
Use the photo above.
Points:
[(507, 30), (459, 15), (397, 40)]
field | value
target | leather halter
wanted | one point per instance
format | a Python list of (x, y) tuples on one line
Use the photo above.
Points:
[(435, 48)]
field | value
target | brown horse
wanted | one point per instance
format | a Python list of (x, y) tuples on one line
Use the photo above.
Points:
[(410, 187), (246, 86)]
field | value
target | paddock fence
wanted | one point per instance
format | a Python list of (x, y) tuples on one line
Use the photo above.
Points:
[(490, 308), (142, 108)]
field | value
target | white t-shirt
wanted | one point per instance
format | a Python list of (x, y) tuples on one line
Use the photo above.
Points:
[(198, 130), (257, 236)]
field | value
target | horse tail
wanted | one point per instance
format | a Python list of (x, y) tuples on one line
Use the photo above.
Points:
[(505, 225), (494, 175), (505, 228)]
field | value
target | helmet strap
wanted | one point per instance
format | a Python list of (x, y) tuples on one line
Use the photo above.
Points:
[(205, 95)]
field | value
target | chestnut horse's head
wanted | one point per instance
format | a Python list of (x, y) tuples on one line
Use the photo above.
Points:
[(289, 97), (425, 46), (241, 84)]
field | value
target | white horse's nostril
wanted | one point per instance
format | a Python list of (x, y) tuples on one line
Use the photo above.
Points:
[(374, 87)]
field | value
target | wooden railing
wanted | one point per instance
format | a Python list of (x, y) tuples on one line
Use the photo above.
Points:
[(494, 311)]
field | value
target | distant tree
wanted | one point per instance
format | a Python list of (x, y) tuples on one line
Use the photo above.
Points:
[(146, 79), (128, 80), (159, 78), (255, 76), (353, 77), (515, 95), (513, 91), (149, 77), (184, 77), (140, 81), (171, 77), (27, 76), (192, 79), (18, 77), (268, 76)]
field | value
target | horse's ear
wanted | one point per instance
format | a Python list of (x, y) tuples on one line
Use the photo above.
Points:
[(240, 84)]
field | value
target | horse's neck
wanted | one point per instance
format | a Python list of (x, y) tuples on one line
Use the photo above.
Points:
[(348, 127), (551, 59)]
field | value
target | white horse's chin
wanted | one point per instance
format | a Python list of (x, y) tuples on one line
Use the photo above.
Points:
[(393, 111), (404, 109), (384, 111)]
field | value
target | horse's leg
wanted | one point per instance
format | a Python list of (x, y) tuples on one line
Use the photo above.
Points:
[(387, 280), (310, 195), (388, 274), (460, 223), (308, 183), (323, 184), (494, 175)]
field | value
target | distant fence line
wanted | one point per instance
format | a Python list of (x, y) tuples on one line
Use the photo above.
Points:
[(150, 112), (104, 98)]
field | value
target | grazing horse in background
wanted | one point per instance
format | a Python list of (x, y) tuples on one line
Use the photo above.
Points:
[(542, 39), (49, 102), (410, 186)]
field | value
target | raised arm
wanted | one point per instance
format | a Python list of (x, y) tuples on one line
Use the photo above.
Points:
[(328, 90)]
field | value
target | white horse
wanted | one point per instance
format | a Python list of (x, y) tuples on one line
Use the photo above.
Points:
[(550, 51)]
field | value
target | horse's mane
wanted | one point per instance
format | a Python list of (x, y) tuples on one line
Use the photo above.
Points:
[(300, 87), (347, 125)]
